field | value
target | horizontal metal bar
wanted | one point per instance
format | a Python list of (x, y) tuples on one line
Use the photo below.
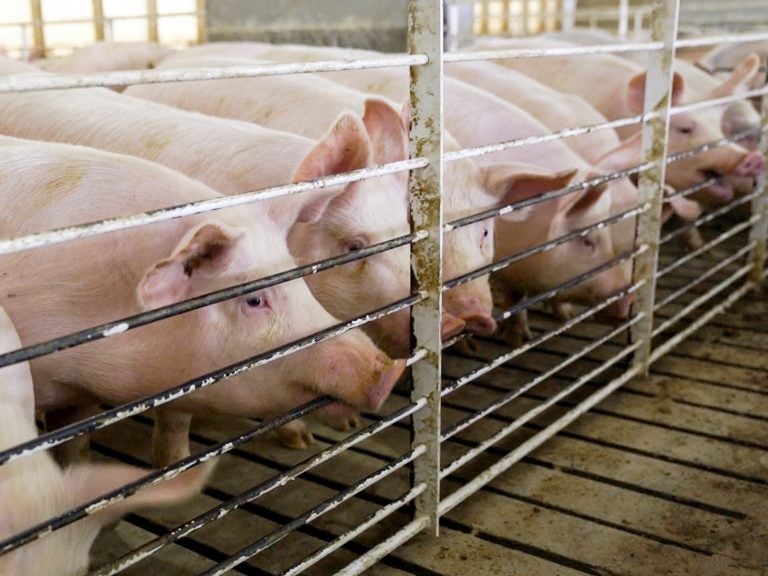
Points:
[(681, 335), (258, 491), (372, 520), (476, 151), (514, 206), (685, 192), (708, 217), (514, 53), (454, 499), (331, 503), (531, 414), (362, 563), (718, 101), (57, 437), (118, 327), (501, 264), (721, 39), (51, 237), (710, 145), (540, 339), (512, 394), (708, 246), (35, 82), (732, 279), (703, 276)]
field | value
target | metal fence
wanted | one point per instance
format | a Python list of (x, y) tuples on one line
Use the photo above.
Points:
[(634, 344)]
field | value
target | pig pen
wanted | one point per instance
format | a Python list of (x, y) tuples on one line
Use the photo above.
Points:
[(631, 448)]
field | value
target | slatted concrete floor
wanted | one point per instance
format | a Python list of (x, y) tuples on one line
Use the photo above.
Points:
[(668, 476)]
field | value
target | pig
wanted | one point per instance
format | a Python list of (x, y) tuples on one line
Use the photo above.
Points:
[(622, 95), (234, 157), (109, 56), (277, 102), (34, 488), (68, 287)]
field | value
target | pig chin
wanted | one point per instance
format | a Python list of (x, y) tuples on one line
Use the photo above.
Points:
[(718, 193)]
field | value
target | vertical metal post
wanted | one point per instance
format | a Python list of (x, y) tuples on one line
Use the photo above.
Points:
[(485, 16), (202, 22), (623, 18), (152, 34), (505, 16), (38, 33), (759, 231), (569, 15), (98, 18), (658, 88), (425, 36)]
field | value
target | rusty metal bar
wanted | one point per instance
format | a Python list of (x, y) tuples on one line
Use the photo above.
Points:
[(202, 21), (98, 19), (152, 34), (651, 183), (425, 36), (38, 27)]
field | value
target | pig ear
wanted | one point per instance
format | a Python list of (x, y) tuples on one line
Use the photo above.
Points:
[(513, 181), (580, 202), (626, 155), (345, 147), (405, 114), (205, 250), (389, 137), (740, 78), (90, 481), (636, 91)]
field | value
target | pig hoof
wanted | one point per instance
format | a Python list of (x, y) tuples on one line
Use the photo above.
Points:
[(295, 435), (344, 423), (516, 334), (562, 311), (466, 347)]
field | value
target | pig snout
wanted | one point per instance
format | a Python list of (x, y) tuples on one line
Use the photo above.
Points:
[(383, 387), (476, 317), (619, 310), (751, 165), (450, 326)]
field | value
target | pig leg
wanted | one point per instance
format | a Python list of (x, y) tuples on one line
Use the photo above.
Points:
[(692, 239), (562, 311), (77, 449), (170, 436), (294, 435), (344, 423), (515, 330)]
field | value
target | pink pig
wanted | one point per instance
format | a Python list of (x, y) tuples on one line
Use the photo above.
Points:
[(34, 488), (68, 287)]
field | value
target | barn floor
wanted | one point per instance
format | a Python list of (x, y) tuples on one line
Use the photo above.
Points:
[(669, 475)]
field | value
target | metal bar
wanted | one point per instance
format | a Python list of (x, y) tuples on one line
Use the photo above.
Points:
[(202, 21), (38, 26), (759, 232), (33, 82), (706, 247), (52, 439), (548, 52), (511, 395), (681, 335), (372, 520), (98, 19), (519, 142), (425, 36), (508, 208), (732, 279), (722, 39), (501, 264), (703, 276), (718, 101), (453, 500), (709, 145), (152, 34), (258, 491), (531, 414), (375, 554), (345, 495), (9, 246), (142, 319), (658, 88), (707, 217)]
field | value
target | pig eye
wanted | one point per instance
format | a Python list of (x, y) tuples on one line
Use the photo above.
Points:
[(588, 243), (685, 130), (353, 245), (256, 301)]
